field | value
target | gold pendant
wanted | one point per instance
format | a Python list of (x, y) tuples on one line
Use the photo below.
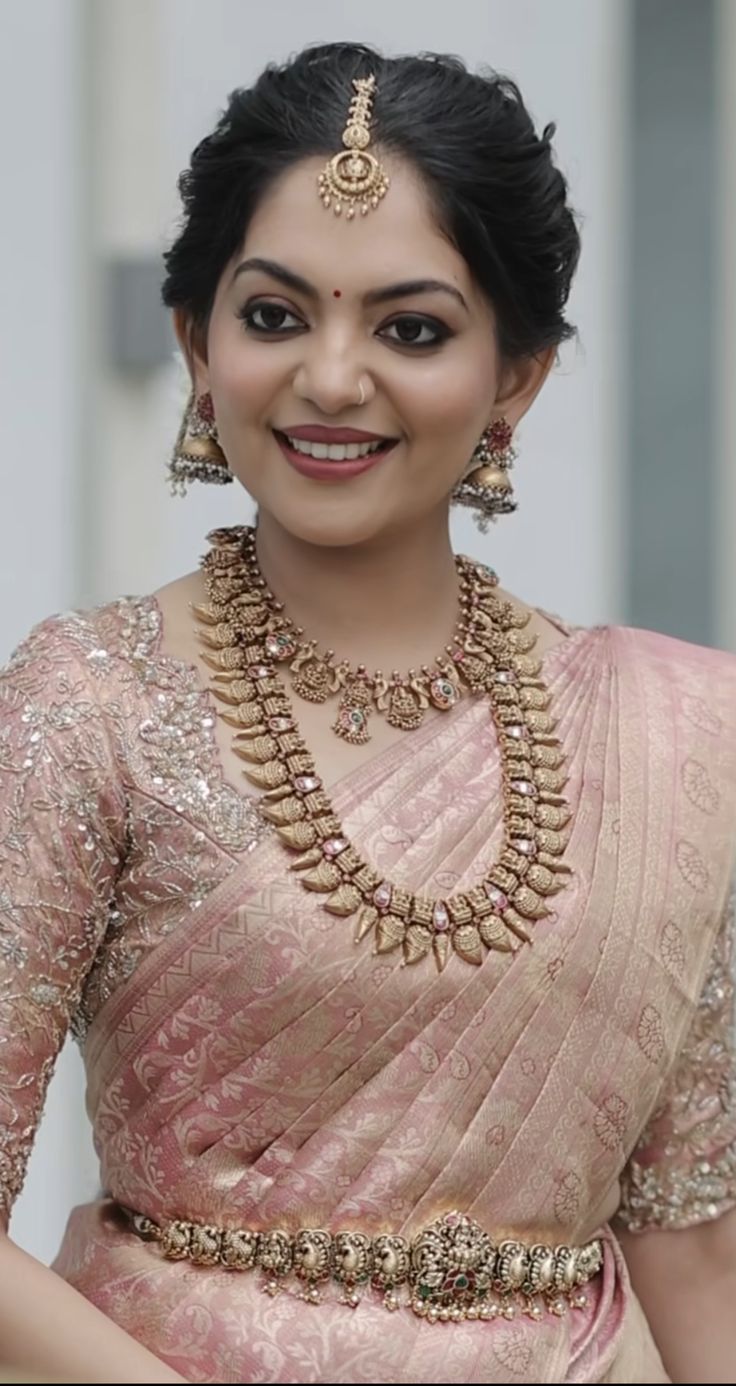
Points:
[(312, 677), (417, 943), (404, 711), (354, 709), (466, 941)]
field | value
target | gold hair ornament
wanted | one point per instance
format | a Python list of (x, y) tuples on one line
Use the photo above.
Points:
[(354, 178)]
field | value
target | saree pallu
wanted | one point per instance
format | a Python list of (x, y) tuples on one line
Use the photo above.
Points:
[(250, 1066)]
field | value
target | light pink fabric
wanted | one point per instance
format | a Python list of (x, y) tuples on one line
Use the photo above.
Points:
[(257, 1068)]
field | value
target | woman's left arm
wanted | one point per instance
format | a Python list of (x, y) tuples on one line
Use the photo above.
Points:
[(677, 1220), (686, 1283)]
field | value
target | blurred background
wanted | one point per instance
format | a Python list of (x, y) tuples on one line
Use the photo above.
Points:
[(627, 469)]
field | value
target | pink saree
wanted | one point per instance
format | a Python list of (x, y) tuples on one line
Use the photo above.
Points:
[(250, 1066)]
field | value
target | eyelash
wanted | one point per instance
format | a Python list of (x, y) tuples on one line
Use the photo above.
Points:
[(247, 315)]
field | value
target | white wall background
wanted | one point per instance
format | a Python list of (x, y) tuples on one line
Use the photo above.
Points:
[(44, 247), (726, 336), (105, 102)]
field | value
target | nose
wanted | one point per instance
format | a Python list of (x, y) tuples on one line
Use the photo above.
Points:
[(330, 375)]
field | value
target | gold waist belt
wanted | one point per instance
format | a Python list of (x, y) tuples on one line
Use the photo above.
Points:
[(450, 1271)]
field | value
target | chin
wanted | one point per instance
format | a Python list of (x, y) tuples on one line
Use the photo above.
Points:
[(325, 522)]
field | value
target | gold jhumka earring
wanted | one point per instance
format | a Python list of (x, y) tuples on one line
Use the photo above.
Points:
[(486, 486), (197, 454)]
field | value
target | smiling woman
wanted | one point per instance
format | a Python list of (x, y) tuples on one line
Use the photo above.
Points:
[(294, 939), (419, 350)]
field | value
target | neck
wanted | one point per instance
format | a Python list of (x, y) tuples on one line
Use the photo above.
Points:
[(392, 603)]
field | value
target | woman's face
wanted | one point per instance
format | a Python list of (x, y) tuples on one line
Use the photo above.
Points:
[(312, 308)]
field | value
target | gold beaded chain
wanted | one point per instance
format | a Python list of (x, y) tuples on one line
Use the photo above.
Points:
[(241, 626)]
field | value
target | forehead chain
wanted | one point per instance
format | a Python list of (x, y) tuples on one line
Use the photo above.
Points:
[(354, 179)]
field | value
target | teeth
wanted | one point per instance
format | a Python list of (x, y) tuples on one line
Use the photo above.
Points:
[(333, 452)]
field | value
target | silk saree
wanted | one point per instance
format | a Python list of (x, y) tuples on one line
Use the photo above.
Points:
[(249, 1065)]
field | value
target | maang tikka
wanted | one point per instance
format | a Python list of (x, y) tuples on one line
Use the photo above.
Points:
[(197, 454), (354, 178), (486, 486)]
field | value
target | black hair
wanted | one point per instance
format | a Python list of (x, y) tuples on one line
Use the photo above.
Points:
[(497, 194)]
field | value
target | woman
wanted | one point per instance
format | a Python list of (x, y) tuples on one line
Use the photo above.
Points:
[(406, 1014)]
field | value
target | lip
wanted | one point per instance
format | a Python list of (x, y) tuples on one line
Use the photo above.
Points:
[(321, 469), (318, 433)]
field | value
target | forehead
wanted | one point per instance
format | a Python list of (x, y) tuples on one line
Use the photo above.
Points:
[(399, 240)]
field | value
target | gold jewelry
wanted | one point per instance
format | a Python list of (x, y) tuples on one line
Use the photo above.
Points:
[(354, 178), (197, 454), (487, 487), (496, 660), (452, 1270), (317, 675)]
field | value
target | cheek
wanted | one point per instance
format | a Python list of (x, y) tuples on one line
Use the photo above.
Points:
[(448, 394), (244, 374)]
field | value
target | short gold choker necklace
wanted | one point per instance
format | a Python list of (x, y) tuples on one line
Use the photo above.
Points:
[(248, 634), (317, 675)]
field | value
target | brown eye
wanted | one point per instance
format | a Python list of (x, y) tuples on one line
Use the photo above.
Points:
[(414, 331), (268, 318)]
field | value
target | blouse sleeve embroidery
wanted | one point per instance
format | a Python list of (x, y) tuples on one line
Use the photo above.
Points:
[(62, 834), (683, 1170)]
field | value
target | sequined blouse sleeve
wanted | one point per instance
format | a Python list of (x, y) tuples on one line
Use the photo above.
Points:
[(683, 1170), (62, 828)]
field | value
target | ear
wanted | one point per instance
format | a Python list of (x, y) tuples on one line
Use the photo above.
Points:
[(192, 349), (520, 382)]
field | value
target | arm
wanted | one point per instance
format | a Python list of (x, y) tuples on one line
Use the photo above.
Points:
[(679, 1193), (62, 838), (48, 1329), (686, 1282)]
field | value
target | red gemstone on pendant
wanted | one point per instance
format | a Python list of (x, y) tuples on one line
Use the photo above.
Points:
[(496, 896), (334, 846), (306, 783), (382, 896), (500, 433)]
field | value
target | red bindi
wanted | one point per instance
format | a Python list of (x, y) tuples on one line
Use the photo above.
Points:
[(337, 293)]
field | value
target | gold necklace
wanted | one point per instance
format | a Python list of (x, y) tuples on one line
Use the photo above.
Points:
[(497, 660), (317, 675)]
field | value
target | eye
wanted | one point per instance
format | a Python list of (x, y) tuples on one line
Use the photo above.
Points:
[(269, 319), (413, 330)]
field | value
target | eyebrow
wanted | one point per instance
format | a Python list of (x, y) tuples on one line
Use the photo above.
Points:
[(407, 288)]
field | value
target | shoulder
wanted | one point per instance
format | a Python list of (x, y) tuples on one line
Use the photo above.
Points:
[(675, 704), (659, 651), (697, 681), (86, 644), (681, 695)]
